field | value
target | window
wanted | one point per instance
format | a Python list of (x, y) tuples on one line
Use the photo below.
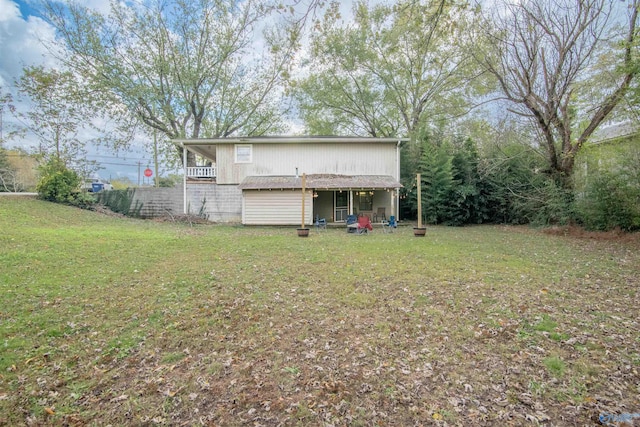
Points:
[(243, 153), (365, 202)]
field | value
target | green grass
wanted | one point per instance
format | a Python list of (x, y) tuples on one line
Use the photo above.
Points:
[(116, 321)]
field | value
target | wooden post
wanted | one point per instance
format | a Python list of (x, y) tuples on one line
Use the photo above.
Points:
[(304, 189), (419, 201)]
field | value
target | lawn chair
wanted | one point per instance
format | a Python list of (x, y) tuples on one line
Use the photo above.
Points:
[(321, 223), (389, 226), (364, 225), (352, 224)]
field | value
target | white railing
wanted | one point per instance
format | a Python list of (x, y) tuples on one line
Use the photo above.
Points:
[(201, 172)]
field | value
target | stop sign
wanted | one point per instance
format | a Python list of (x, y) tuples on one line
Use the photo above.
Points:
[(148, 172)]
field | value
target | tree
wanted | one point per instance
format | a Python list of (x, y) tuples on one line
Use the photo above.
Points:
[(8, 174), (397, 68), (56, 115), (186, 68), (545, 57)]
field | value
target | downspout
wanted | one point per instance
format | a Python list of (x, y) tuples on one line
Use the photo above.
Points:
[(184, 179)]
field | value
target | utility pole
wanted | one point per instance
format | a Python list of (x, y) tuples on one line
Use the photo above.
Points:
[(155, 156), (139, 165)]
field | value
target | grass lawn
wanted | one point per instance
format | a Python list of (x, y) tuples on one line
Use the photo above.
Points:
[(105, 320)]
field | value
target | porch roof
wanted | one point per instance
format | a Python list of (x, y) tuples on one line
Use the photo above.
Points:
[(319, 182)]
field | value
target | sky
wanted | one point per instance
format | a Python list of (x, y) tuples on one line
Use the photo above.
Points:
[(21, 33)]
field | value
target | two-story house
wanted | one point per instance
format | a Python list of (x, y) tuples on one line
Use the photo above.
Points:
[(258, 180)]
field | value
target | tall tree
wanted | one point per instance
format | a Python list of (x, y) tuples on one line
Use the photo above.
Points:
[(545, 56), (396, 68), (184, 68), (57, 115)]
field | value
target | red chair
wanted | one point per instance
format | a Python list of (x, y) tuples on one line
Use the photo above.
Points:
[(364, 225)]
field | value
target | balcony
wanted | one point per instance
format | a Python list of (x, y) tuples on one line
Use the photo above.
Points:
[(201, 172)]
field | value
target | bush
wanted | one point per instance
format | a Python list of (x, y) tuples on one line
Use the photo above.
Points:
[(62, 185), (611, 200)]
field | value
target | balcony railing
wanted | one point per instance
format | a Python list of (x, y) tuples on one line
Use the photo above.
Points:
[(201, 172)]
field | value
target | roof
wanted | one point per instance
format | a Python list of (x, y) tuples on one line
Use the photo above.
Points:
[(319, 181), (618, 130), (288, 140)]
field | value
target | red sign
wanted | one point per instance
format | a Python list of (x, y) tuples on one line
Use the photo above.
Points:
[(148, 172)]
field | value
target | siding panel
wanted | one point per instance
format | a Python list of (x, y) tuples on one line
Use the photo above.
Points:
[(277, 207), (283, 159)]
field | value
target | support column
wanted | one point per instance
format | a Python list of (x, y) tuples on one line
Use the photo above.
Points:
[(350, 202), (184, 180)]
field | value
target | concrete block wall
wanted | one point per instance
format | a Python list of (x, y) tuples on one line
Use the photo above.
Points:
[(219, 203), (158, 201)]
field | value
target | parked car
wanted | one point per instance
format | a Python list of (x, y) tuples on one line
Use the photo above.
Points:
[(95, 185)]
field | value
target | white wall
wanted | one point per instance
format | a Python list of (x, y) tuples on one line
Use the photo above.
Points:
[(283, 159)]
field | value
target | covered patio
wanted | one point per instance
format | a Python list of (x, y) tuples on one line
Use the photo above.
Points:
[(329, 196)]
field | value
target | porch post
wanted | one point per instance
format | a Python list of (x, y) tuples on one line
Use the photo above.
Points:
[(350, 202), (393, 202), (184, 179)]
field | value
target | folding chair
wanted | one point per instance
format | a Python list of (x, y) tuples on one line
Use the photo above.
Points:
[(364, 225), (321, 223), (352, 224), (389, 226)]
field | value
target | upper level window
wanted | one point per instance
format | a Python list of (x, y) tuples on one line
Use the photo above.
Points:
[(243, 153)]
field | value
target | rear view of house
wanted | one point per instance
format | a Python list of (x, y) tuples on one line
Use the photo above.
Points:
[(258, 180)]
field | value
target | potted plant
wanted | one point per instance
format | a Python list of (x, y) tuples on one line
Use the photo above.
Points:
[(419, 231)]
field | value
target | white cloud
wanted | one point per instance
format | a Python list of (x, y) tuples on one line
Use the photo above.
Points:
[(21, 43)]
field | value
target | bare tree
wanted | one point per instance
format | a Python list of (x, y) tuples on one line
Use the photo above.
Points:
[(545, 55)]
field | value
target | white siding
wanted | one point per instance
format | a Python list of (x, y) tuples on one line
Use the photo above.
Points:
[(276, 207), (283, 159)]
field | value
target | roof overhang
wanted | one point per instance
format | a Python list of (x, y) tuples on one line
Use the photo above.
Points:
[(321, 182), (287, 140)]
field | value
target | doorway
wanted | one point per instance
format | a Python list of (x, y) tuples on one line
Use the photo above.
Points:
[(341, 206)]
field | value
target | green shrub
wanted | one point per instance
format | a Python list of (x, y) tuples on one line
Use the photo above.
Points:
[(60, 184), (610, 200)]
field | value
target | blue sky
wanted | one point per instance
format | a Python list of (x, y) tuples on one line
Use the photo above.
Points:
[(20, 32), (26, 9)]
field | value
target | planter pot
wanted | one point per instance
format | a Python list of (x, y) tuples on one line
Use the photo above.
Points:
[(419, 231), (303, 232)]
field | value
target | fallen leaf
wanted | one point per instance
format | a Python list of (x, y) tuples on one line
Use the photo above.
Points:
[(119, 398), (49, 411)]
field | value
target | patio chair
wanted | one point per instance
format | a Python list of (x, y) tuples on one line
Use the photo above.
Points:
[(389, 226), (352, 224), (321, 223), (380, 215), (364, 225)]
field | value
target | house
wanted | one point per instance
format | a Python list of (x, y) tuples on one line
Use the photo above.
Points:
[(610, 149), (258, 180)]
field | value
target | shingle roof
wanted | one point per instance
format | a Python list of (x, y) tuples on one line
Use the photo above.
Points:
[(319, 182)]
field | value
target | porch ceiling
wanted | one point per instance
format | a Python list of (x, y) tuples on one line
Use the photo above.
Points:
[(206, 151), (320, 182)]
